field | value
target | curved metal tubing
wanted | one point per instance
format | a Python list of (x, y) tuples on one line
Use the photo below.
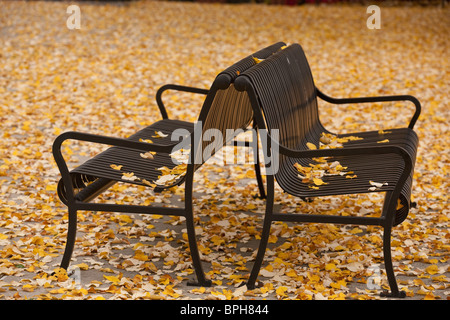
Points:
[(276, 94), (80, 201), (414, 100), (176, 87)]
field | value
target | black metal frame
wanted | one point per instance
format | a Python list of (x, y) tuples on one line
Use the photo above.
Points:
[(386, 220), (75, 204), (77, 201)]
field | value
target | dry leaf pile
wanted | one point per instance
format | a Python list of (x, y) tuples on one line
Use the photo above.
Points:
[(102, 79)]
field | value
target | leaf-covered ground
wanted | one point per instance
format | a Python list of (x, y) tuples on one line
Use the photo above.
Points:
[(102, 79)]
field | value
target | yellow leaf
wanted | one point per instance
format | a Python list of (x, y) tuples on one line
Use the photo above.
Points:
[(399, 204), (257, 60), (125, 218), (302, 169), (148, 155), (330, 266), (159, 134), (51, 187), (356, 230), (140, 256), (57, 131), (383, 141), (116, 167), (60, 274), (113, 279), (291, 273), (377, 184), (129, 176), (311, 146), (148, 183), (318, 182), (433, 269), (199, 290), (83, 266), (281, 291)]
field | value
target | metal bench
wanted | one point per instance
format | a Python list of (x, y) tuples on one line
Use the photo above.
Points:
[(314, 162), (223, 108)]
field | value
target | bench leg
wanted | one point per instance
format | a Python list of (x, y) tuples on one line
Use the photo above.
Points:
[(389, 206), (259, 180), (193, 248), (195, 255), (395, 292), (71, 236), (265, 234)]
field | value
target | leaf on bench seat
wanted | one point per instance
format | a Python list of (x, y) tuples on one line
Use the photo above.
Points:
[(129, 176), (169, 176), (145, 140), (330, 141), (376, 185), (148, 155), (159, 134), (116, 167), (318, 181), (181, 155), (315, 172), (257, 60)]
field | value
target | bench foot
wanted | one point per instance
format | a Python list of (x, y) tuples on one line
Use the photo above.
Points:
[(389, 294), (71, 237)]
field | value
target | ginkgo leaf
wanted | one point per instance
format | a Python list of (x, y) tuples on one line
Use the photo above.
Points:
[(159, 134), (378, 184), (148, 155), (103, 87), (129, 176), (116, 167), (257, 60), (311, 146), (145, 140), (318, 182), (113, 279)]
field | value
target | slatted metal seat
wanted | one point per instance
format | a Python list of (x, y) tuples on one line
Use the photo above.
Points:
[(224, 108), (284, 99)]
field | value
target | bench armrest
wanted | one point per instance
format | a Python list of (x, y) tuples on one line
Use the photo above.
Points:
[(352, 151), (166, 87), (414, 100), (119, 142), (80, 136)]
